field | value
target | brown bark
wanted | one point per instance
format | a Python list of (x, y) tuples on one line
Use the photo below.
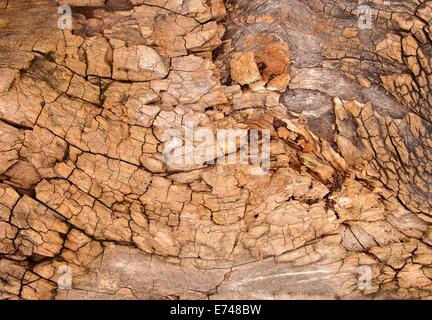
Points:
[(84, 184)]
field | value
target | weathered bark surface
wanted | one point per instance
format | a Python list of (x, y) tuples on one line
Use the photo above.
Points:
[(83, 181)]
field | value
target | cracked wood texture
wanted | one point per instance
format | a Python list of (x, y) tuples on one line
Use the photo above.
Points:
[(83, 182)]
